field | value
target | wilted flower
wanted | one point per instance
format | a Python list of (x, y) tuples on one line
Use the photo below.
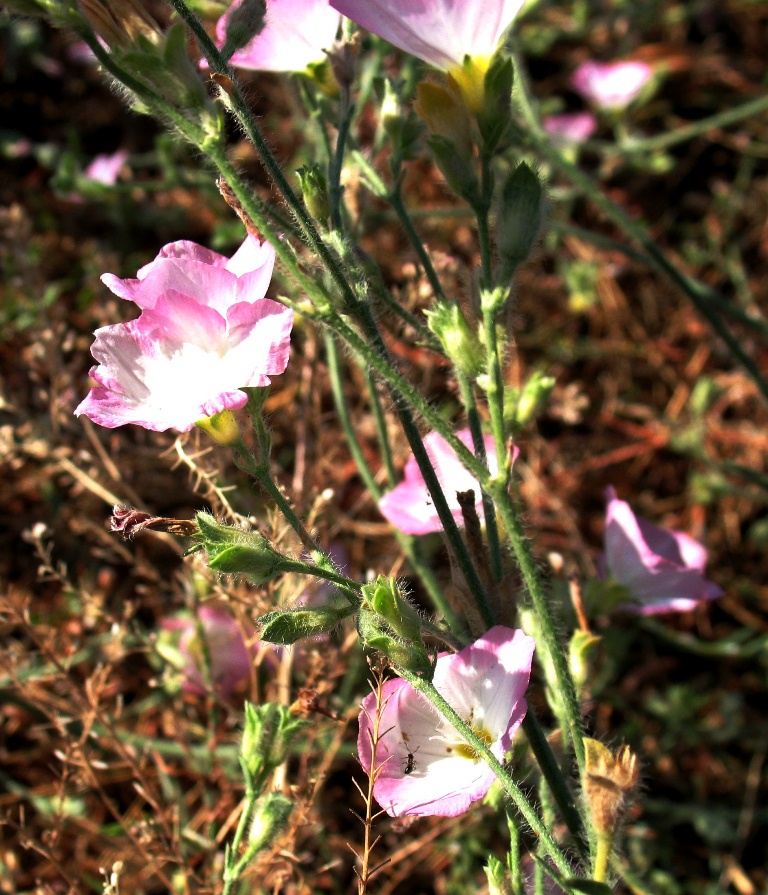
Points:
[(570, 127), (205, 332), (441, 32), (230, 659), (426, 768), (662, 571), (611, 85), (296, 34), (409, 506)]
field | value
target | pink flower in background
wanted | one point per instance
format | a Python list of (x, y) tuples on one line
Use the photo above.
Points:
[(205, 332), (426, 767), (662, 570), (570, 127), (611, 85), (441, 32), (409, 506), (106, 168), (230, 659), (296, 34)]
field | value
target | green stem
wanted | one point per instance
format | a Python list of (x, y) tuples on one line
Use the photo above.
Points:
[(478, 442), (381, 430), (480, 748), (550, 641), (396, 201), (408, 544)]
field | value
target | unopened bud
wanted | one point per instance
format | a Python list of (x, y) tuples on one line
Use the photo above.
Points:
[(234, 551), (498, 879), (385, 599), (269, 820), (400, 123), (460, 342), (377, 635), (314, 188), (268, 732), (287, 626), (245, 21), (520, 213), (580, 652), (531, 398)]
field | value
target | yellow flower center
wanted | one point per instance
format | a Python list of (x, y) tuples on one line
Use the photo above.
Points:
[(469, 77)]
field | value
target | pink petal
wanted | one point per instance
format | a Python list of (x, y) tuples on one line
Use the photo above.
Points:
[(409, 506), (662, 569), (570, 127), (611, 85), (296, 34), (441, 32)]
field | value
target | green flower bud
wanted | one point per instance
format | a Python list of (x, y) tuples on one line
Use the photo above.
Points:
[(580, 651), (384, 598), (234, 551), (400, 123), (268, 733), (377, 635), (520, 212), (314, 188), (525, 403), (287, 626), (460, 342), (269, 820), (498, 880), (245, 22)]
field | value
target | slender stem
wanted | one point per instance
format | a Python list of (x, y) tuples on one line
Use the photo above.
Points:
[(478, 442), (408, 544), (551, 642), (481, 749), (553, 775), (381, 429), (396, 201)]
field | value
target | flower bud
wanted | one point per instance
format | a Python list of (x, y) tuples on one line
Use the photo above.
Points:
[(498, 879), (245, 21), (399, 122), (460, 342), (269, 820), (529, 400), (314, 188), (580, 651), (377, 635), (234, 551), (520, 210), (287, 626), (268, 732), (384, 598)]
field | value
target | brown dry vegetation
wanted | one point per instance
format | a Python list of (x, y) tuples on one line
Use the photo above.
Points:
[(100, 762)]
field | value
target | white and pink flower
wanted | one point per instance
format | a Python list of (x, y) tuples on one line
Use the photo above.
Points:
[(570, 127), (230, 659), (662, 570), (423, 766), (296, 34), (611, 85), (205, 332), (409, 506)]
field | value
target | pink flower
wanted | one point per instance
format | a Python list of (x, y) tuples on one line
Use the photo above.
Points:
[(611, 85), (230, 659), (205, 332), (570, 127), (426, 767), (662, 570), (105, 168), (296, 34), (441, 32), (409, 506)]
